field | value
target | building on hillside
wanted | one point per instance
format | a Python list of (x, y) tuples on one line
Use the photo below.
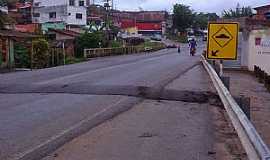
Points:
[(70, 12), (263, 12), (146, 22), (27, 28), (21, 12)]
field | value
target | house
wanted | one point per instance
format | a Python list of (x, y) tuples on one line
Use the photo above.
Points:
[(263, 12), (63, 39), (7, 40), (70, 12), (21, 12), (29, 28)]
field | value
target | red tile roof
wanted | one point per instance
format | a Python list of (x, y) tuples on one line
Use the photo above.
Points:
[(66, 32)]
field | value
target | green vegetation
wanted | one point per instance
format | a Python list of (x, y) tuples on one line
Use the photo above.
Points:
[(238, 12), (41, 53), (184, 17), (1, 59), (89, 40), (180, 39), (115, 44), (22, 56), (73, 60)]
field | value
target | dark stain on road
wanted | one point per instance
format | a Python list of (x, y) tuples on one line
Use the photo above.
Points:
[(133, 91)]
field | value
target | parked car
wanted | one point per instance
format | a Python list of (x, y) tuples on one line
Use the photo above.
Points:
[(156, 38)]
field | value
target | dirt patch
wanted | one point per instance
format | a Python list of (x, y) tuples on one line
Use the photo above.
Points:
[(227, 145), (245, 84)]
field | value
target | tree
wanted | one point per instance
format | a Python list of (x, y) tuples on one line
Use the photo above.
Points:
[(41, 53), (200, 21), (238, 12), (89, 40), (212, 17), (182, 17)]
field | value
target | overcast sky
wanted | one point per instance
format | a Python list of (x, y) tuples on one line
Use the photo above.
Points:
[(198, 5)]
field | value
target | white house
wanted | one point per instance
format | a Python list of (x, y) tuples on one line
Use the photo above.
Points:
[(71, 12)]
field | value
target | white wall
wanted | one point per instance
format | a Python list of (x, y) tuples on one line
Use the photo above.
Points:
[(259, 54), (61, 14), (51, 2), (64, 12), (58, 2), (71, 19)]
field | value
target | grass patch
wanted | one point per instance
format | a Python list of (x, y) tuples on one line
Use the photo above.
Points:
[(180, 39), (73, 60)]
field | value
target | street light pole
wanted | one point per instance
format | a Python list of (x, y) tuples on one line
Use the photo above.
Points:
[(107, 7)]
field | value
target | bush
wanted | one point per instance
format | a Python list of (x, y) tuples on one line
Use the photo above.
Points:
[(182, 38), (41, 53), (134, 41), (22, 57), (72, 60), (116, 44), (89, 40)]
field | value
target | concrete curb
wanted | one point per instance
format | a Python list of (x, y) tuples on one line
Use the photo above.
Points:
[(82, 127)]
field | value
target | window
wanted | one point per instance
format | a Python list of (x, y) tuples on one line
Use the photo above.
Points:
[(36, 14), (52, 14), (78, 16), (72, 2), (36, 4), (81, 3)]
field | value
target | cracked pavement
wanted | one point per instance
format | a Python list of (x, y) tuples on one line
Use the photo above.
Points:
[(38, 105)]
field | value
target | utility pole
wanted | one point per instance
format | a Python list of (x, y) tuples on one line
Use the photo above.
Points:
[(107, 7)]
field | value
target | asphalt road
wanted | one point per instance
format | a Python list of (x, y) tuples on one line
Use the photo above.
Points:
[(37, 105)]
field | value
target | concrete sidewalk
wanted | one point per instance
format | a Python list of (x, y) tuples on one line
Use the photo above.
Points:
[(161, 130), (246, 84)]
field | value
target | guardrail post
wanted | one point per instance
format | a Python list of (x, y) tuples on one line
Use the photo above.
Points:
[(256, 71), (261, 76), (226, 81), (267, 82), (244, 103), (265, 79)]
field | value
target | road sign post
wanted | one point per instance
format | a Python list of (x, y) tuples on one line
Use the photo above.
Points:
[(222, 44)]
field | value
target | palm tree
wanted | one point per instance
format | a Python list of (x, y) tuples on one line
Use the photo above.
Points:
[(238, 12)]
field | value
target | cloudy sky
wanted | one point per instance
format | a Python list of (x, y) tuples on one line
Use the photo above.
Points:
[(197, 5)]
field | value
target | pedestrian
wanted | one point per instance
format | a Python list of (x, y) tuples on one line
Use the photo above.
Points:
[(178, 48)]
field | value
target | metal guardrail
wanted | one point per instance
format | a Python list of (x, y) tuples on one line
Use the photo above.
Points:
[(253, 144)]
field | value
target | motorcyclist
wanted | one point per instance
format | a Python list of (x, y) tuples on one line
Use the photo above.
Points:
[(192, 45)]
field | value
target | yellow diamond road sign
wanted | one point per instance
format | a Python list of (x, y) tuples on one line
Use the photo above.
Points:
[(222, 41)]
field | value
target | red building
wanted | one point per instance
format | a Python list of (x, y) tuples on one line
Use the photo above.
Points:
[(21, 12), (147, 22), (263, 12)]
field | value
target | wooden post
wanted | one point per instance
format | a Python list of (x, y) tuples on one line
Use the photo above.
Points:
[(31, 55), (221, 68), (52, 54), (64, 53)]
